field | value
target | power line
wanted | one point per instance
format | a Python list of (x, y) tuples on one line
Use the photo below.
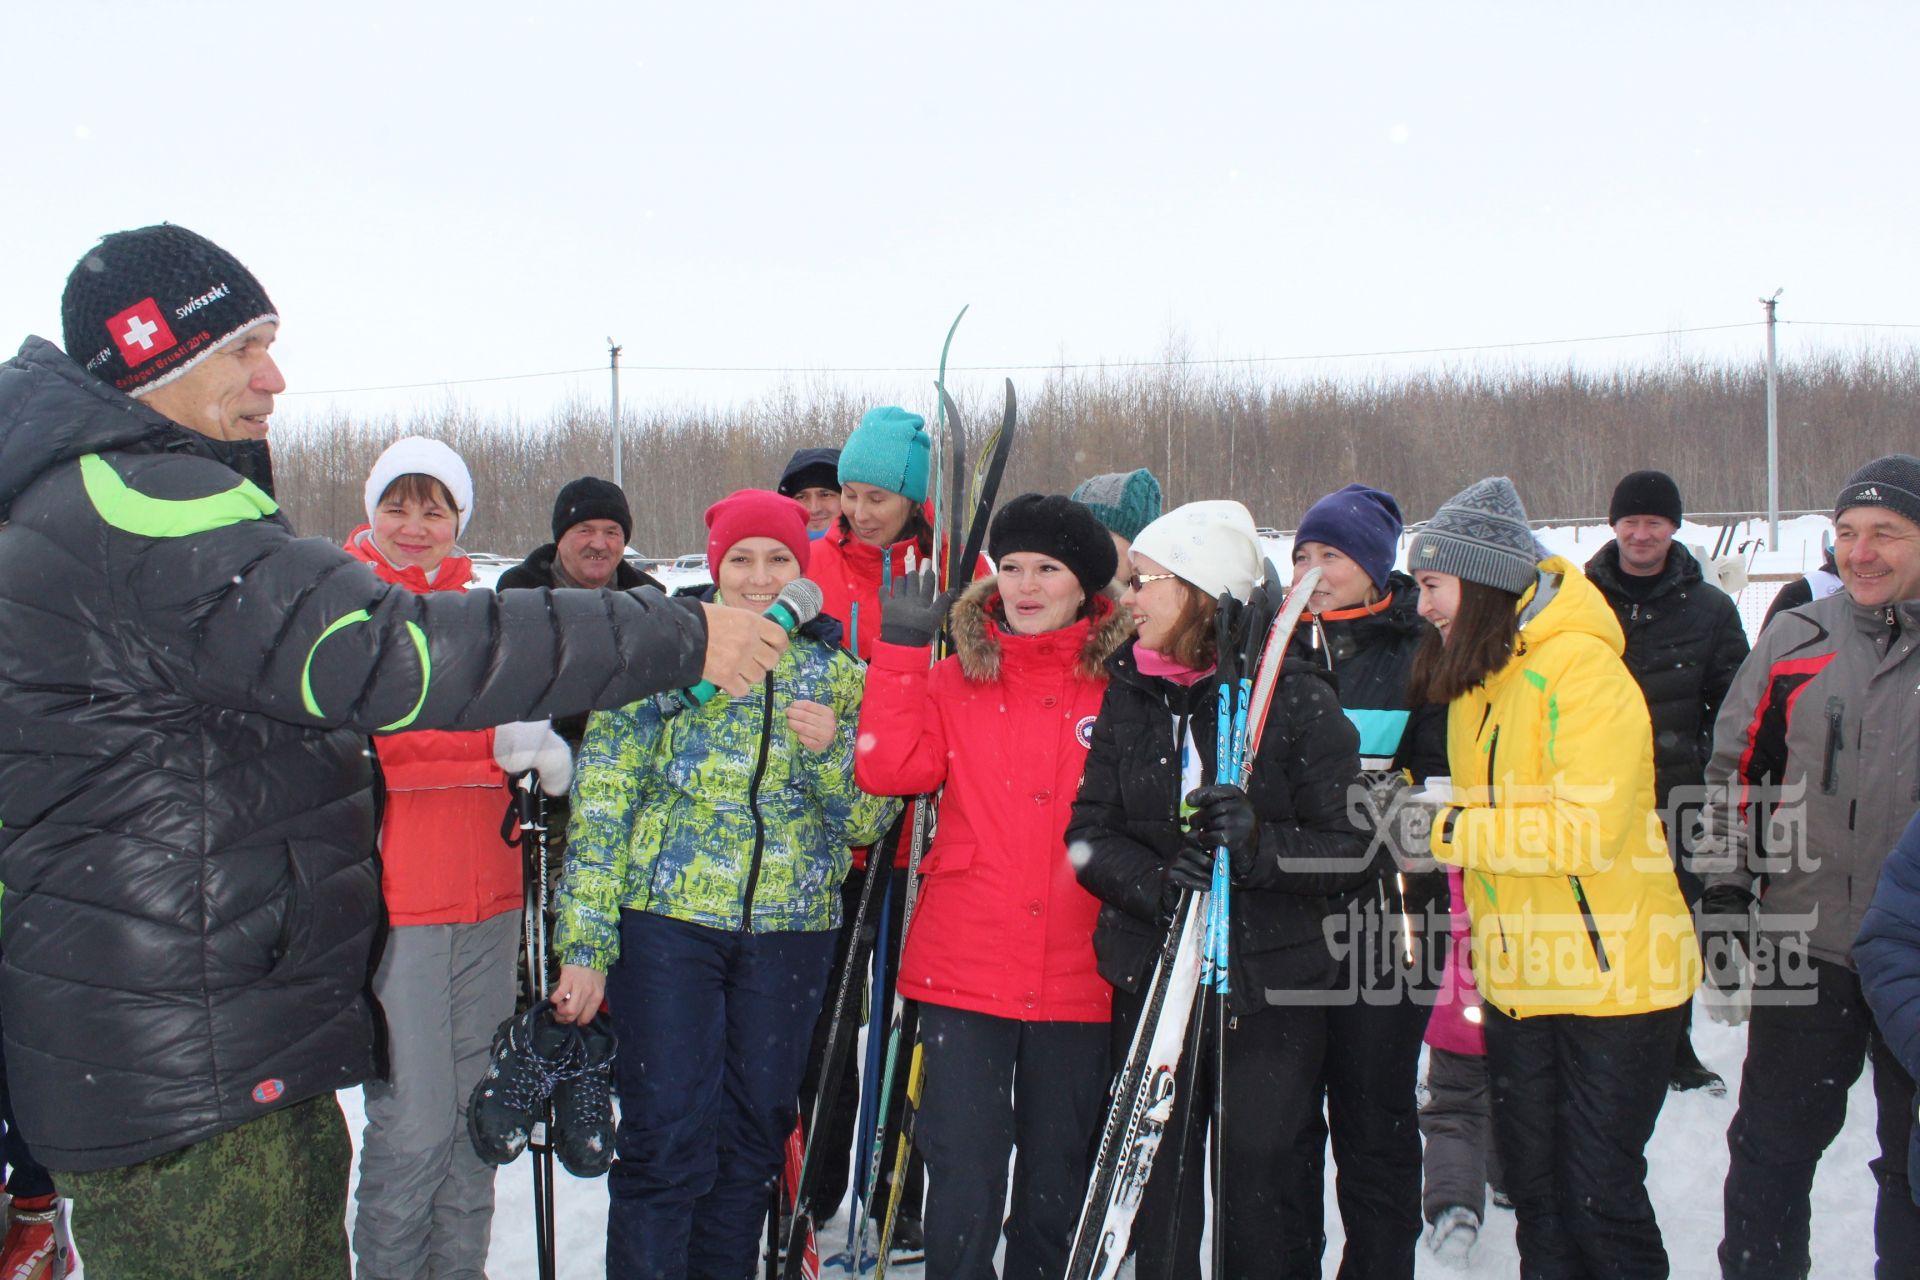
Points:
[(1213, 361)]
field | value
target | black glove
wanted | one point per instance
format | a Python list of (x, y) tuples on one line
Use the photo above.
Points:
[(1223, 818), (911, 611), (1725, 921), (1192, 867)]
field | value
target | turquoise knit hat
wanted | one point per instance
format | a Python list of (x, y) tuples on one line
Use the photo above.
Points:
[(1124, 501), (888, 450)]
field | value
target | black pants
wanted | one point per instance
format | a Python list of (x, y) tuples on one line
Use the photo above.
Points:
[(1802, 1058), (1368, 1080), (1272, 1069), (836, 1151), (24, 1176), (1575, 1099), (994, 1084)]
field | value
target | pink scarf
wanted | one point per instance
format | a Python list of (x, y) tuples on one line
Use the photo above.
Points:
[(1152, 663)]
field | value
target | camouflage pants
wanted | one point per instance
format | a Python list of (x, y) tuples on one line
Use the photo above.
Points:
[(266, 1201)]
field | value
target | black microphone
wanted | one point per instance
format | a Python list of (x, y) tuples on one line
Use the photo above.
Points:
[(798, 604)]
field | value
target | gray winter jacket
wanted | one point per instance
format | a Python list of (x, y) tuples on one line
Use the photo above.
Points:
[(187, 793), (1822, 725)]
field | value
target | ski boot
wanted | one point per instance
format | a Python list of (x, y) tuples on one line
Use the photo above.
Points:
[(28, 1252)]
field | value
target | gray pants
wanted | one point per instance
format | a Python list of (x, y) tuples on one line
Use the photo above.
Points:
[(1458, 1127), (425, 1203)]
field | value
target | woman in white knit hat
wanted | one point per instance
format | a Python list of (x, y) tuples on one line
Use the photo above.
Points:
[(1146, 827), (453, 892)]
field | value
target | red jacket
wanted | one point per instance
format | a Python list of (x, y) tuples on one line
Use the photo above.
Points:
[(850, 574), (442, 858), (1001, 927)]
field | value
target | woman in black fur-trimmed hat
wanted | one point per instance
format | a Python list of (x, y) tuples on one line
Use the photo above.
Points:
[(1014, 1012)]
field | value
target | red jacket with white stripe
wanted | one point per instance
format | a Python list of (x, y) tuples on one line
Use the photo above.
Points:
[(442, 860), (1002, 926)]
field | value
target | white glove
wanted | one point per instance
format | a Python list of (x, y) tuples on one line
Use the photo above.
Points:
[(533, 745), (515, 745), (553, 763), (1732, 1006)]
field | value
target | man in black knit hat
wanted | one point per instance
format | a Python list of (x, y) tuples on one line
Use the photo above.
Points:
[(1814, 777), (187, 795), (1684, 643), (592, 525)]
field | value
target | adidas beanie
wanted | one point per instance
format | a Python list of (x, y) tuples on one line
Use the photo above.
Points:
[(1892, 482)]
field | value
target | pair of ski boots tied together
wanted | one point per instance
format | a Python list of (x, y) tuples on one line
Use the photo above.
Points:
[(535, 1059)]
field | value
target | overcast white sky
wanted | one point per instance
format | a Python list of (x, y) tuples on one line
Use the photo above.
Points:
[(437, 192)]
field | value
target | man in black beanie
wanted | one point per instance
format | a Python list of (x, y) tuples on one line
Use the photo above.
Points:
[(187, 796), (812, 478), (1812, 782), (592, 525), (1685, 641)]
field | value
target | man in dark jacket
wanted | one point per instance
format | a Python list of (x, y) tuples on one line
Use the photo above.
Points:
[(187, 794), (1685, 641), (592, 525), (1815, 775)]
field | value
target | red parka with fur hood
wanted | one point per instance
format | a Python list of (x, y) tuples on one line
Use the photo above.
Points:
[(1002, 926)]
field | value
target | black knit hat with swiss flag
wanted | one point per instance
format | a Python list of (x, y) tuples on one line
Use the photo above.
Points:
[(143, 307)]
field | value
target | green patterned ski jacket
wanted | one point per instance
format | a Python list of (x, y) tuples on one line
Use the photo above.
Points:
[(719, 816)]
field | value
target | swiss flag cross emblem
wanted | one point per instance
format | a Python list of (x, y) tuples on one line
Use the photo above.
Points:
[(140, 332)]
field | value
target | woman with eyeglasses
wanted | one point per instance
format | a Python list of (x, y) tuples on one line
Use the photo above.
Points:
[(1290, 843), (1013, 1010), (1583, 949)]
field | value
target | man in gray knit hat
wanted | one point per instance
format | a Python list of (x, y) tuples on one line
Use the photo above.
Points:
[(1818, 747)]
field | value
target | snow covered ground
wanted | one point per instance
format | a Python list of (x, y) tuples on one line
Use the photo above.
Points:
[(1687, 1159), (1686, 1162)]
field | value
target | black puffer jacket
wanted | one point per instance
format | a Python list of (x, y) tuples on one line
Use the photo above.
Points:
[(186, 787), (1370, 651), (1684, 645), (1128, 818)]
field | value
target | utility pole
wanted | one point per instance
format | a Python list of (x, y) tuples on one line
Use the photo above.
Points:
[(613, 414), (1773, 426)]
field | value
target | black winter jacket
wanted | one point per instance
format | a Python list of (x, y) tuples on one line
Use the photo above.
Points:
[(537, 571), (1128, 818), (186, 788), (1685, 641), (1370, 652)]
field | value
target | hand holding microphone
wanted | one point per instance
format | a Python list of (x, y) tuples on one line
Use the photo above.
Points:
[(742, 646)]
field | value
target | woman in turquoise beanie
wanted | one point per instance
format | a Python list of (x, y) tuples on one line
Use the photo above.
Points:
[(883, 493)]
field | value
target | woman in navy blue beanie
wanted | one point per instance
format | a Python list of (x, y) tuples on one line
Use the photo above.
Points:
[(1363, 624)]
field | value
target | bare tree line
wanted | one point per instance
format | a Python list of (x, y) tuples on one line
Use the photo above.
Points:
[(1565, 437)]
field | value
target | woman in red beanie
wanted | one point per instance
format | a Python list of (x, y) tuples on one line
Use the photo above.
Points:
[(701, 897)]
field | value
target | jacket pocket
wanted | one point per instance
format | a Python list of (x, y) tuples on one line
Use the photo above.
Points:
[(295, 936), (948, 857), (1830, 767)]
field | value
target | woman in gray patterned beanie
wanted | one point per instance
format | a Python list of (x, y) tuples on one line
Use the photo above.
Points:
[(1583, 950)]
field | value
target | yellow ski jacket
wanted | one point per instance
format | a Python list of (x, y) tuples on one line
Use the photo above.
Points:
[(1574, 902)]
